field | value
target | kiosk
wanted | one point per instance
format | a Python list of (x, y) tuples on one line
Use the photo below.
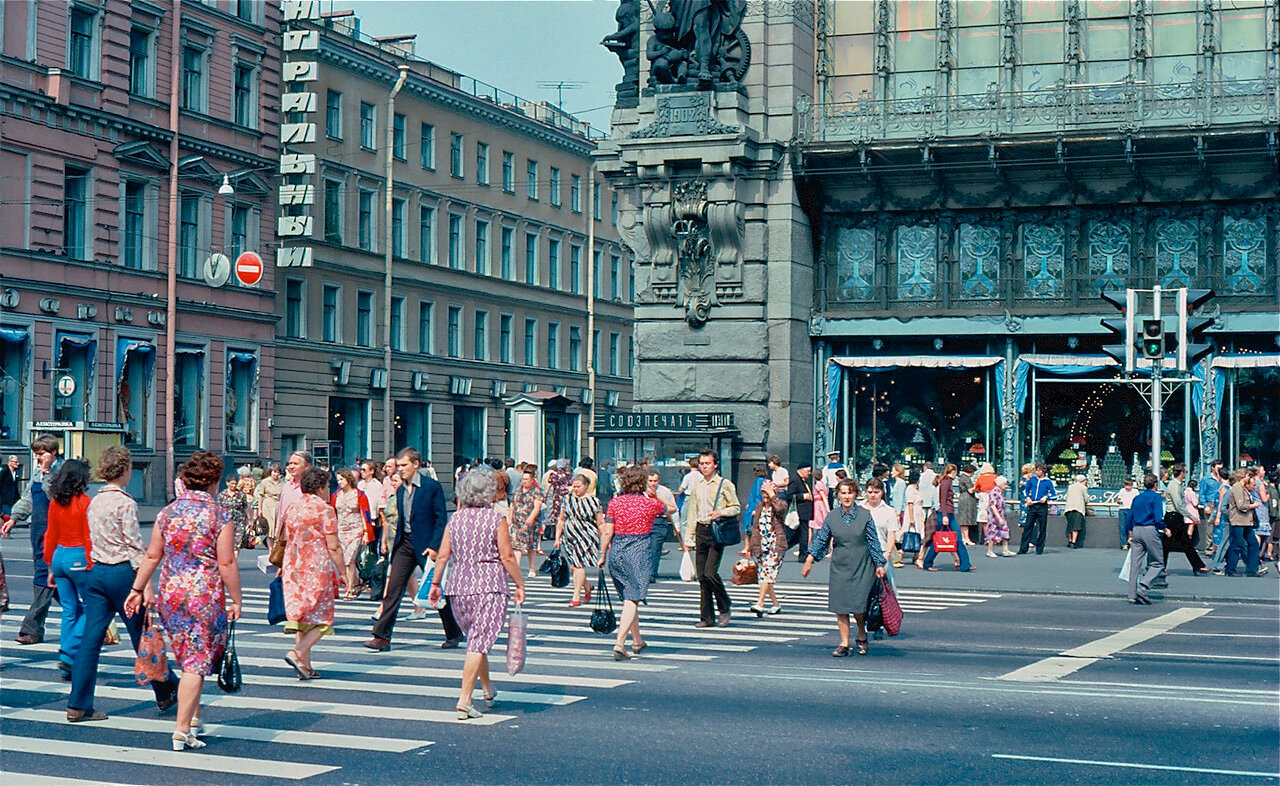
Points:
[(667, 439)]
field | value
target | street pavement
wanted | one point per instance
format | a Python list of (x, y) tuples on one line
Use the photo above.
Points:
[(987, 683)]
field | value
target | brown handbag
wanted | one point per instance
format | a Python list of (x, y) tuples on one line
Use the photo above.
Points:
[(276, 557), (744, 572)]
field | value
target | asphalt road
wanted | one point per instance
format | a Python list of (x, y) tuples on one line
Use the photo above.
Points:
[(975, 690)]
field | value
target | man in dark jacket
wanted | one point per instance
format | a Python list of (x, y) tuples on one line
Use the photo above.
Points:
[(10, 480), (800, 493), (420, 502)]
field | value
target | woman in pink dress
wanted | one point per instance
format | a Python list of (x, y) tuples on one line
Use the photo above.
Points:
[(312, 561), (194, 537), (354, 524)]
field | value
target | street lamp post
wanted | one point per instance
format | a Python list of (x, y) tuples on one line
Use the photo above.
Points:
[(591, 306), (389, 158), (171, 232)]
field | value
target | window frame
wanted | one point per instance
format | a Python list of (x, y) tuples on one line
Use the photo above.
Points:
[(333, 114), (482, 163), (396, 318), (333, 227), (457, 236), (483, 251), (368, 126), (398, 122), (553, 185), (366, 324), (531, 179), (453, 331), (92, 51), (553, 345), (508, 172), (250, 98), (145, 236), (480, 334), (399, 206), (427, 146), (331, 315), (506, 327), (366, 210), (301, 301), (144, 78), (200, 104), (427, 231), (507, 252), (575, 193), (531, 341), (457, 149), (426, 327)]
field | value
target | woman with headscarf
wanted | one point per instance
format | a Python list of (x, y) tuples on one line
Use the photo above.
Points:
[(771, 534), (997, 527)]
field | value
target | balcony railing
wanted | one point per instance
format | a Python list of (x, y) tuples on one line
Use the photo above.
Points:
[(1128, 106)]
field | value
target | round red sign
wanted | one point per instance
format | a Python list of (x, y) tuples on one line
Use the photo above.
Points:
[(248, 268)]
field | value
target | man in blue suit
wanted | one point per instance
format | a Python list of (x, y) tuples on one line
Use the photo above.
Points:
[(420, 502)]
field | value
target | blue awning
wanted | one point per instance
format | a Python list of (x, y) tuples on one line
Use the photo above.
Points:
[(236, 356), (144, 350), (14, 335)]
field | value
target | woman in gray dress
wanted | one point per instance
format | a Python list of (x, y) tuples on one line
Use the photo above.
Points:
[(856, 562)]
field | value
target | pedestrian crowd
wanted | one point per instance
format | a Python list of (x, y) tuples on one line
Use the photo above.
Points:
[(384, 528)]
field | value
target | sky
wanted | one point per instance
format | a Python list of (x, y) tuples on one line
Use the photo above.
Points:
[(511, 44)]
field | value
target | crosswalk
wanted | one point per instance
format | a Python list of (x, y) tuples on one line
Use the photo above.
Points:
[(397, 703)]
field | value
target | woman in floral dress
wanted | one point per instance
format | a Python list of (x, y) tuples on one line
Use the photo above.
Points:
[(237, 505), (771, 517), (556, 486), (997, 526), (312, 560), (267, 495), (578, 531), (352, 508), (193, 538), (526, 505)]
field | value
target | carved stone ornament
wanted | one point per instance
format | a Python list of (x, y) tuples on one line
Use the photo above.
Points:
[(695, 263), (697, 42), (625, 43), (683, 114)]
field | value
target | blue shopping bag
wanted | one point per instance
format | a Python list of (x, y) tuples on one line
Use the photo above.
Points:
[(275, 601)]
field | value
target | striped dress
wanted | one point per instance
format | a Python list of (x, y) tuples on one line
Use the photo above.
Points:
[(581, 541)]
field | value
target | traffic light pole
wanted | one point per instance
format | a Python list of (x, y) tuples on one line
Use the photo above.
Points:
[(1157, 397)]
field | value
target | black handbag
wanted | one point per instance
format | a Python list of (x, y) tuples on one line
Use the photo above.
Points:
[(229, 679), (726, 530), (558, 569), (875, 614), (603, 620)]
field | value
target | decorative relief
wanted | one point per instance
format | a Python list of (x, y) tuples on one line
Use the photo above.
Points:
[(917, 262), (1177, 252), (1244, 254), (855, 258), (979, 260), (1108, 255), (1043, 253)]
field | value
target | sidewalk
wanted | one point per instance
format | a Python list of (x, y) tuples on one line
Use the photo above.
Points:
[(1058, 571)]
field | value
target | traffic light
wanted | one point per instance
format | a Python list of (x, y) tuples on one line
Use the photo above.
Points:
[(1152, 339), (1193, 344), (1121, 329)]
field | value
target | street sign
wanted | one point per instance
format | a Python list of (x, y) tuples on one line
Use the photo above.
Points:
[(249, 268), (66, 385), (217, 269)]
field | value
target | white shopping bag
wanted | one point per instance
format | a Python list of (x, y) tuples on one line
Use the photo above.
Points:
[(1124, 569), (686, 567)]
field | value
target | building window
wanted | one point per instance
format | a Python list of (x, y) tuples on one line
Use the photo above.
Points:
[(615, 283), (481, 335), (135, 390), (246, 9), (631, 285), (397, 324), (482, 163), (504, 337), (631, 356), (427, 234), (595, 275), (596, 361), (413, 426), (364, 225), (348, 430), (241, 401), (553, 264), (531, 342), (613, 208), (333, 114), (333, 211), (426, 335), (245, 96), (81, 43), (575, 269), (555, 187), (575, 348), (295, 325), (455, 241), (575, 193), (397, 136), (508, 252), (364, 319), (13, 370), (193, 79), (595, 201), (76, 229), (76, 355), (397, 228), (141, 76), (134, 241), (454, 332), (331, 313), (482, 247), (368, 126), (455, 155), (530, 258), (553, 345), (531, 179), (239, 230), (189, 231), (428, 146), (615, 358), (188, 398), (508, 172)]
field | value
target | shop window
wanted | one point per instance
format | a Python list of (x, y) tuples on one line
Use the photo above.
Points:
[(413, 427), (348, 430), (74, 356), (135, 389), (188, 398), (241, 400), (468, 434), (14, 345)]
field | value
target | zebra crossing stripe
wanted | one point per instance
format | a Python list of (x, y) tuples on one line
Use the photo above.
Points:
[(32, 779), (228, 731), (186, 760)]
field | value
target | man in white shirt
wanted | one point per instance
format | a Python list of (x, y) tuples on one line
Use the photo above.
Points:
[(829, 477), (1125, 498), (662, 525)]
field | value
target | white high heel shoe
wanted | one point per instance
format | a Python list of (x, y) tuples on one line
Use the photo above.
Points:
[(186, 741), (197, 728)]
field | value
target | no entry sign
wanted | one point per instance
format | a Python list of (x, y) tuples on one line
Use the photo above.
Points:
[(248, 268)]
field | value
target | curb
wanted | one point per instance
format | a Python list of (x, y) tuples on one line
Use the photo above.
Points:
[(1074, 593)]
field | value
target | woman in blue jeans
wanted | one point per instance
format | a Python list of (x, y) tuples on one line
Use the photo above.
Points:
[(117, 548), (66, 550)]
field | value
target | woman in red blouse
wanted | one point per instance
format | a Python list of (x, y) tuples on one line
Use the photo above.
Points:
[(66, 549), (625, 544)]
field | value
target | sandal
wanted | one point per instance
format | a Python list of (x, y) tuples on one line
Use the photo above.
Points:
[(490, 696), (899, 564), (637, 649), (312, 674), (620, 654), (862, 646), (290, 658), (467, 711), (841, 651)]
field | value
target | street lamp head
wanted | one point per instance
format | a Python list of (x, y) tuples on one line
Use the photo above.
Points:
[(226, 189)]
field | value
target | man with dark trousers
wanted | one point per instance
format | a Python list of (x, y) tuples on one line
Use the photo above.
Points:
[(1035, 498), (33, 507), (420, 501), (800, 491)]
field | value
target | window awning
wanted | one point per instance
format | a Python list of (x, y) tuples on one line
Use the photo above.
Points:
[(879, 363), (144, 350), (14, 335)]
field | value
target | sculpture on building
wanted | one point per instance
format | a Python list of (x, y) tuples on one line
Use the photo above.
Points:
[(698, 42), (625, 43), (695, 263)]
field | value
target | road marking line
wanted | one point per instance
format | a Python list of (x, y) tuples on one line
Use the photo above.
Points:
[(1136, 766), (1076, 658), (225, 765), (32, 779), (1199, 656), (226, 731)]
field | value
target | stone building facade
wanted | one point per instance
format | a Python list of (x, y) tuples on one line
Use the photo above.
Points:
[(491, 259), (913, 209), (89, 227)]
